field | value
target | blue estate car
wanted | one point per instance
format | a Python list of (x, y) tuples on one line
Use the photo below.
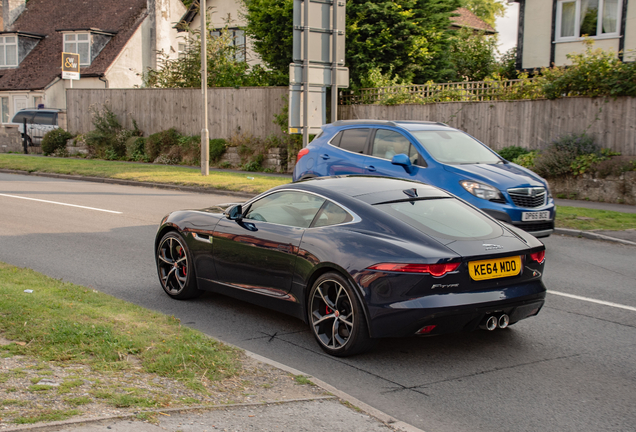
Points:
[(436, 154)]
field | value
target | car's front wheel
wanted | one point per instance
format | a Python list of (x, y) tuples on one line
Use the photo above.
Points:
[(176, 267), (336, 317)]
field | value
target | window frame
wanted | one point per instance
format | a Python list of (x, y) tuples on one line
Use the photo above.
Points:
[(3, 47), (2, 110), (577, 22), (75, 42), (241, 49)]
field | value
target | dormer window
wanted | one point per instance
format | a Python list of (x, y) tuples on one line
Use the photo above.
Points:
[(79, 43), (88, 43), (8, 51)]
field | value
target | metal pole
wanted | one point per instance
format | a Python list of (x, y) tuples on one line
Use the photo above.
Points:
[(306, 76), (334, 64), (25, 141), (205, 135)]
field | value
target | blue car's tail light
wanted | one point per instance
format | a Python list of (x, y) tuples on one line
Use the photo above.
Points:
[(436, 270), (301, 153)]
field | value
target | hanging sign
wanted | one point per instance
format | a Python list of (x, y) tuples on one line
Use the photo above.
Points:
[(70, 66)]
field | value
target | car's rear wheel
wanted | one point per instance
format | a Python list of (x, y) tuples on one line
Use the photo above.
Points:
[(336, 317), (176, 267)]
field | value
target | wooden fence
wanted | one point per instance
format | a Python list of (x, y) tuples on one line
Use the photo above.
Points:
[(531, 124), (248, 110), (443, 92)]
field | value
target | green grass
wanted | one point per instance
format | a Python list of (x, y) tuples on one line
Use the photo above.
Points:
[(47, 416), (71, 324), (302, 380), (592, 219), (243, 182)]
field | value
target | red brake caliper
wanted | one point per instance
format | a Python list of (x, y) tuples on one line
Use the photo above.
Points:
[(184, 268)]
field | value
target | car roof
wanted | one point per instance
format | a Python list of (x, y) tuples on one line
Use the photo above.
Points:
[(404, 124), (372, 189), (39, 110)]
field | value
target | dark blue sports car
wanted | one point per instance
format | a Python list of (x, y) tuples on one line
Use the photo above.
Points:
[(357, 258)]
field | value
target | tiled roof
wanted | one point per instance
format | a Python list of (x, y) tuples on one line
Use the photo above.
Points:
[(44, 17), (468, 19)]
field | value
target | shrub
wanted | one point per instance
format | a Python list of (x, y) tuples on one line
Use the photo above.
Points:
[(160, 142), (217, 149), (108, 139), (512, 152), (55, 140), (567, 155), (136, 149), (616, 165)]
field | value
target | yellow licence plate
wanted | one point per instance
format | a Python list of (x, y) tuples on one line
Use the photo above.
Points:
[(495, 268)]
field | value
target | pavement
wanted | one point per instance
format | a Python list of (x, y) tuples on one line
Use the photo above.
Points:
[(334, 413)]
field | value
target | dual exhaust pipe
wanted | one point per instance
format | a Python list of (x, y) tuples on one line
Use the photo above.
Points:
[(492, 322)]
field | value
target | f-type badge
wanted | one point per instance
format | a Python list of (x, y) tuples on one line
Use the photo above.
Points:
[(488, 246)]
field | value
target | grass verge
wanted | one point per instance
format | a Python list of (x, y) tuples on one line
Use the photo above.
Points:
[(243, 182), (62, 322), (593, 219)]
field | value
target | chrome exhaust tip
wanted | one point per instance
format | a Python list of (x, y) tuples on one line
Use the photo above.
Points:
[(503, 322), (491, 323)]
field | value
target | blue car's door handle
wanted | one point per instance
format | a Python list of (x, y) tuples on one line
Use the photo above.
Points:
[(325, 156), (370, 168)]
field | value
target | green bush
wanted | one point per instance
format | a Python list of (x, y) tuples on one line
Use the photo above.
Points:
[(512, 152), (108, 139), (217, 149), (55, 140), (161, 142), (136, 149), (568, 154)]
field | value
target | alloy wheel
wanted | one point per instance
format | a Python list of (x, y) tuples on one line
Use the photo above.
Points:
[(332, 314), (172, 261)]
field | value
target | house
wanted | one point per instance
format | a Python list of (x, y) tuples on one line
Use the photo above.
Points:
[(551, 29), (117, 40), (467, 19)]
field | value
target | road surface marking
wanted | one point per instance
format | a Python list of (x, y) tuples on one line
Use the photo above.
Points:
[(587, 299), (59, 203)]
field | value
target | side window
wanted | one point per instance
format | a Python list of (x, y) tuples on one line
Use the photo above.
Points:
[(387, 144), (331, 214), (19, 117), (44, 118), (354, 140), (335, 141), (289, 208)]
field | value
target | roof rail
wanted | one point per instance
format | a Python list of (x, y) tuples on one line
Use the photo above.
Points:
[(383, 122)]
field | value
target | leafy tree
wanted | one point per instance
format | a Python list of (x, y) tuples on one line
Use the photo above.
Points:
[(224, 70), (473, 55), (487, 10), (404, 38), (507, 65)]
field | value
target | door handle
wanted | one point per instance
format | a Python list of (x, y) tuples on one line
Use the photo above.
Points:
[(371, 168), (325, 156)]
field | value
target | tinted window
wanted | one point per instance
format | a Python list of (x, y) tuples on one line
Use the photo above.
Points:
[(454, 147), (446, 217), (354, 140), (19, 117), (44, 118), (331, 214), (387, 144), (295, 209)]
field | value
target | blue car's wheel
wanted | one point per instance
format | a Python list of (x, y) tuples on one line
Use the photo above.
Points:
[(336, 317)]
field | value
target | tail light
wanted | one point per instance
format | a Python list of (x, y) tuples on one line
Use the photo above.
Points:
[(538, 256), (301, 153), (436, 270)]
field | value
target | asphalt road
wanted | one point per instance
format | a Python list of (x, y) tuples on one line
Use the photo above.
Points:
[(572, 368)]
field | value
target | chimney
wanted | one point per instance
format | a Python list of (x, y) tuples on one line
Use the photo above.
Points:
[(11, 10)]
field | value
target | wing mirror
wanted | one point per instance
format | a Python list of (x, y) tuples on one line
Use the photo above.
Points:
[(404, 161), (235, 213)]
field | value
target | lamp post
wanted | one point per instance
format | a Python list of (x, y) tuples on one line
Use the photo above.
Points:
[(205, 134)]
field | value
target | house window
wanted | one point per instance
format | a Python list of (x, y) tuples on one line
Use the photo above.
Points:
[(8, 51), (79, 43), (181, 50), (5, 109), (238, 40), (593, 18)]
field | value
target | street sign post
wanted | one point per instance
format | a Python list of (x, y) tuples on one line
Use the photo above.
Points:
[(70, 67), (318, 54)]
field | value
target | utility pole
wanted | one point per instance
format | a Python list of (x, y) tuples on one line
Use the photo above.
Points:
[(205, 134)]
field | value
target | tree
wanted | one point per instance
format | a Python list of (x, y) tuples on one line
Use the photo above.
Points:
[(224, 70), (473, 55), (408, 39)]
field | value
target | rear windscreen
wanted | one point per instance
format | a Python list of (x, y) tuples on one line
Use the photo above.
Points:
[(44, 118), (443, 217), (19, 117)]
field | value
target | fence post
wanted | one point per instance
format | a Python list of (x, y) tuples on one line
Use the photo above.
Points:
[(24, 137)]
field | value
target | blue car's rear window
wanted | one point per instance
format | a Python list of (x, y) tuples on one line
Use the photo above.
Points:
[(443, 217)]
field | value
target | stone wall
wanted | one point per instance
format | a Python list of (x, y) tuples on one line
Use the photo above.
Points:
[(621, 189), (10, 140)]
